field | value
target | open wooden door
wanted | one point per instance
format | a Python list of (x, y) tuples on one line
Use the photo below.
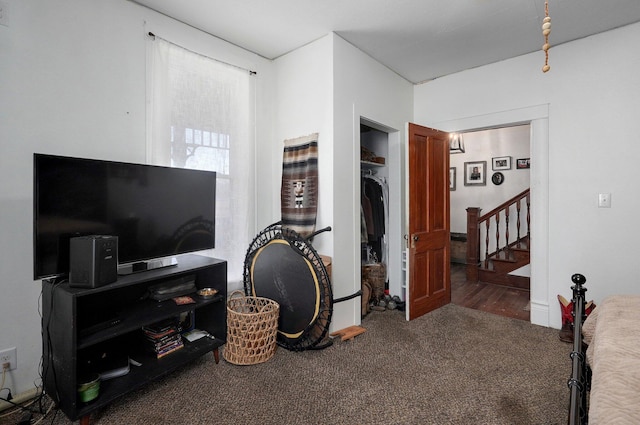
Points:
[(428, 240)]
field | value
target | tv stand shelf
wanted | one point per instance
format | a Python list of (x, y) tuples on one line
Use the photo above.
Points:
[(146, 312), (79, 322)]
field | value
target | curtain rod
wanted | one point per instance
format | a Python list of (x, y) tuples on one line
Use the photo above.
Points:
[(153, 36)]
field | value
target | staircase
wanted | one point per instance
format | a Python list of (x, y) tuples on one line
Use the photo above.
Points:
[(498, 242)]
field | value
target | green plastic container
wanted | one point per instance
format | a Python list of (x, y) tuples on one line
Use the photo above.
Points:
[(89, 387)]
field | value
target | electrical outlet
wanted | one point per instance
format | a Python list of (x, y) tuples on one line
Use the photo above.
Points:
[(4, 13), (9, 356)]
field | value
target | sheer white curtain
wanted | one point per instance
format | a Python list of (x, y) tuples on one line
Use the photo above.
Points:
[(200, 117)]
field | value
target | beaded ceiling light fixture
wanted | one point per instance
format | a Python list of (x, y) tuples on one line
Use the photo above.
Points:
[(546, 30)]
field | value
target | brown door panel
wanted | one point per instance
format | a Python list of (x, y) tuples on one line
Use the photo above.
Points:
[(429, 277)]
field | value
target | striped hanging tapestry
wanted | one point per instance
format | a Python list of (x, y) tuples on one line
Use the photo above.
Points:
[(299, 191)]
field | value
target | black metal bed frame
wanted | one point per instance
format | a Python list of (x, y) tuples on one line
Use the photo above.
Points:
[(580, 381)]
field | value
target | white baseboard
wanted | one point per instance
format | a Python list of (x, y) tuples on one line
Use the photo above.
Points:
[(539, 314), (20, 398)]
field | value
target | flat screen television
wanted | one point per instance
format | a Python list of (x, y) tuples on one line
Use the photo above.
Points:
[(156, 212)]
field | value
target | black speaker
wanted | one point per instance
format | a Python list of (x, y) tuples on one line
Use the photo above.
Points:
[(93, 261)]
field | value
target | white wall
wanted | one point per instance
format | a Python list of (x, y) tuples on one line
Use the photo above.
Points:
[(591, 95), (364, 88), (72, 82), (319, 88), (483, 146), (304, 106)]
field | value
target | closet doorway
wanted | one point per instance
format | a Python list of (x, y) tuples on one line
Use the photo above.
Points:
[(380, 162), (429, 148), (374, 211)]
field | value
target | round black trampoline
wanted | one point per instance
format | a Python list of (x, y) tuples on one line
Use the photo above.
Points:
[(283, 266)]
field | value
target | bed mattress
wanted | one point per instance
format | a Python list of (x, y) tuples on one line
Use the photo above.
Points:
[(612, 331)]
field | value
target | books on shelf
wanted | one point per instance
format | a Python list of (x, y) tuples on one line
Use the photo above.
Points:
[(164, 337), (170, 350)]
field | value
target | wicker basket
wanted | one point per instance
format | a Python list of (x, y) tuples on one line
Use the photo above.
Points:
[(252, 327), (375, 275)]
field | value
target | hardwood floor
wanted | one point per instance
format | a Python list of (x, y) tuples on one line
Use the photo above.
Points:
[(496, 299)]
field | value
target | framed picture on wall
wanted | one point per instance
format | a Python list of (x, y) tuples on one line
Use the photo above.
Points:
[(475, 173), (501, 163), (523, 163), (452, 178)]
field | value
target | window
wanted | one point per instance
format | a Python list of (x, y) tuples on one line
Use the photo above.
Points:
[(200, 149), (200, 118)]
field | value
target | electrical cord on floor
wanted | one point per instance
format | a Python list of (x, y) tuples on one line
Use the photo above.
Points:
[(25, 419), (28, 412), (16, 408), (45, 414)]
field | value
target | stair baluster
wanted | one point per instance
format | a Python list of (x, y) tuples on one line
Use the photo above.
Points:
[(518, 222), (497, 218), (507, 248), (528, 216), (486, 249)]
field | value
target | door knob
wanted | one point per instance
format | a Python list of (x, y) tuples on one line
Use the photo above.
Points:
[(415, 237)]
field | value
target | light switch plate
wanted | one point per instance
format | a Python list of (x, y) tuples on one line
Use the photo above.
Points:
[(604, 200)]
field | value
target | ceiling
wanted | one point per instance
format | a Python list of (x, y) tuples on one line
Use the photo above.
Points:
[(418, 39)]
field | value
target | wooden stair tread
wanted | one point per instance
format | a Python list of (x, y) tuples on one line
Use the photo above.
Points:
[(504, 279), (497, 268), (505, 260)]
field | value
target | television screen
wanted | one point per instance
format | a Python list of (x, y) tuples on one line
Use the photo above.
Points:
[(154, 211)]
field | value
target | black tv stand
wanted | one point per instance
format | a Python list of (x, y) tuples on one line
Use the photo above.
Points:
[(143, 266), (78, 322)]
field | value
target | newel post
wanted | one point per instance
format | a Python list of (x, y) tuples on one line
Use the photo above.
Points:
[(473, 243)]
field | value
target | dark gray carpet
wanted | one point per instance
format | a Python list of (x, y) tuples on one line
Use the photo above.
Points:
[(452, 366)]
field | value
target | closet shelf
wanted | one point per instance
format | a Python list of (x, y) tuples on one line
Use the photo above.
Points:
[(371, 164)]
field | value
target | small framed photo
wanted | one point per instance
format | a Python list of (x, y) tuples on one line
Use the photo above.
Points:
[(497, 178), (452, 178), (475, 173), (501, 163), (523, 163)]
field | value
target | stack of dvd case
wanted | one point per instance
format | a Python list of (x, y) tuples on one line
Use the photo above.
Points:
[(164, 337)]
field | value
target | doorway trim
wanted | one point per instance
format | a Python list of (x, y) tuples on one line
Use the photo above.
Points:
[(537, 116), (395, 164)]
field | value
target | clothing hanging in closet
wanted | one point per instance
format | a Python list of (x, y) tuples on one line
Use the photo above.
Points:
[(374, 215)]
